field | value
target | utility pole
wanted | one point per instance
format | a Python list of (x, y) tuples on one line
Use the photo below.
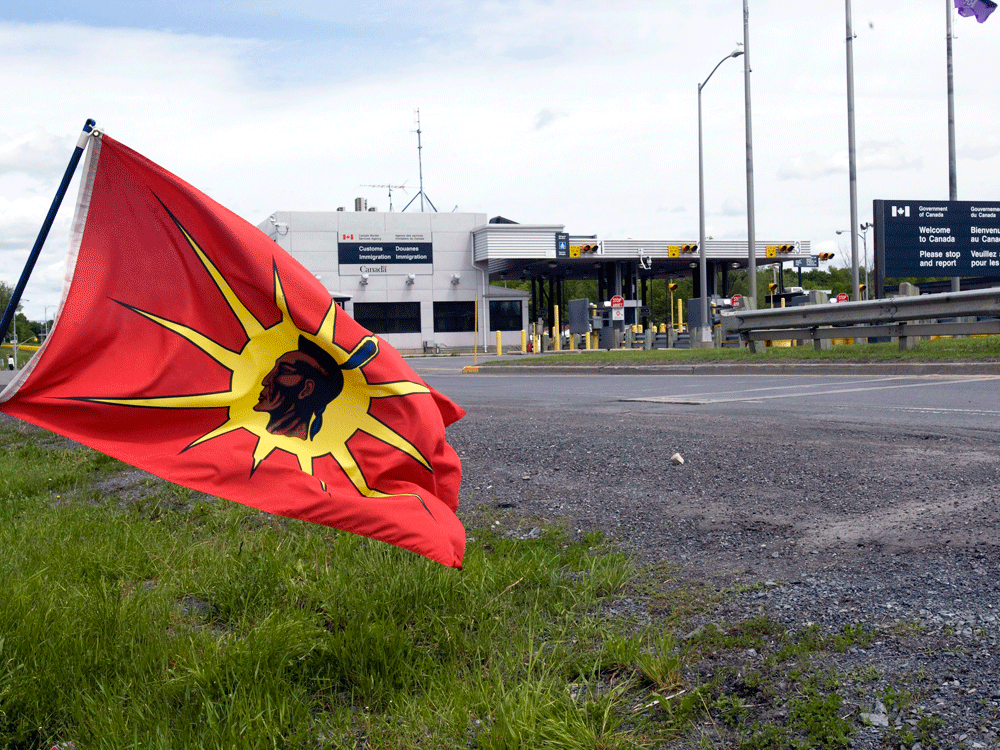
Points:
[(851, 156), (751, 233), (956, 281)]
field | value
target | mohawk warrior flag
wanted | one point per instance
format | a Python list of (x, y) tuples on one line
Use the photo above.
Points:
[(190, 345), (981, 9)]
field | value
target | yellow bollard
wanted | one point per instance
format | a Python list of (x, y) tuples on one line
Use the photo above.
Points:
[(499, 347), (586, 340), (556, 330), (524, 341)]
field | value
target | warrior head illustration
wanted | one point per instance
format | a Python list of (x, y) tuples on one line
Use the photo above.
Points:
[(299, 386)]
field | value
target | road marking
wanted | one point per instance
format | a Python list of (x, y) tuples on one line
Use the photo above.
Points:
[(936, 410), (709, 399), (713, 394)]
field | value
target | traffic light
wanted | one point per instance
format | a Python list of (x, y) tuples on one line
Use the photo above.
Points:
[(689, 248), (771, 286), (575, 251), (786, 248), (861, 288), (826, 256), (672, 286)]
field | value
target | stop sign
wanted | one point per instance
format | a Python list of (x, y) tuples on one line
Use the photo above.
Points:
[(735, 301), (842, 297), (618, 307)]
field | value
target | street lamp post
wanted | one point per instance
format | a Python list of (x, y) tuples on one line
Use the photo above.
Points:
[(864, 243), (704, 335), (863, 234), (45, 313), (751, 232)]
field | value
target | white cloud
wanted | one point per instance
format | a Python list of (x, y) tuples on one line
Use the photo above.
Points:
[(987, 148), (38, 153), (811, 166), (576, 112)]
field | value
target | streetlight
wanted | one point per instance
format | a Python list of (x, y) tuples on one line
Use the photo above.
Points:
[(45, 314), (863, 234), (705, 335)]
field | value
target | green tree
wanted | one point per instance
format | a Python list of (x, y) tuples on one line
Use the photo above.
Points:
[(6, 292), (23, 327)]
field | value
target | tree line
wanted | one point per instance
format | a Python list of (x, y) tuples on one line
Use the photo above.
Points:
[(26, 331)]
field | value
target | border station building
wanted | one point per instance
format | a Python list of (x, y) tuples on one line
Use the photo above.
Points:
[(423, 280)]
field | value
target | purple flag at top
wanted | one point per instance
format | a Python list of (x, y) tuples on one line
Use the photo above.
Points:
[(981, 9)]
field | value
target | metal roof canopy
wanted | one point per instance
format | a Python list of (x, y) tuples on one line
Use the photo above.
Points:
[(514, 251)]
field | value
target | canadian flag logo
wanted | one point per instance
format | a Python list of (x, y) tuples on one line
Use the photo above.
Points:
[(900, 210), (347, 236)]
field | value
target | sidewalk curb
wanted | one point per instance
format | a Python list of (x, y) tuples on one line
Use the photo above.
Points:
[(764, 368)]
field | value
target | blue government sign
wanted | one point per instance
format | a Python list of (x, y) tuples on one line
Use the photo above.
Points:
[(811, 262), (937, 238), (562, 244), (350, 253)]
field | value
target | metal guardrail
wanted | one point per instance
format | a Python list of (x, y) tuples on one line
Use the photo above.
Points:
[(904, 318)]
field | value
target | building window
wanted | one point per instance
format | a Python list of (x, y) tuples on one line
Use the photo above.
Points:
[(505, 315), (454, 316), (388, 317)]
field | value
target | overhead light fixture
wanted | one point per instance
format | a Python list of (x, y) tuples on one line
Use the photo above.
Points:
[(455, 278), (552, 264), (363, 281), (410, 278)]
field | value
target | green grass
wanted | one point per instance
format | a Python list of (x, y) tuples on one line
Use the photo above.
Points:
[(23, 354), (976, 349), (134, 613)]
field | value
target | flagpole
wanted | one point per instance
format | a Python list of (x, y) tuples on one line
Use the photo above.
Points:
[(15, 298)]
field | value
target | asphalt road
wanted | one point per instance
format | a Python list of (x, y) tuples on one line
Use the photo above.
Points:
[(861, 397), (864, 395)]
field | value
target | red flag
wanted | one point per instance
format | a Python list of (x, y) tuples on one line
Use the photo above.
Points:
[(190, 345)]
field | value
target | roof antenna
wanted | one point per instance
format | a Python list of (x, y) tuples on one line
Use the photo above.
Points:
[(420, 162), (391, 188)]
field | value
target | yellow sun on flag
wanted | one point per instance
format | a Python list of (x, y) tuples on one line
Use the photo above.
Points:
[(278, 370)]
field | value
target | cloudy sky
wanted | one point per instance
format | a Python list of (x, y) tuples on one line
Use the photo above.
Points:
[(553, 111)]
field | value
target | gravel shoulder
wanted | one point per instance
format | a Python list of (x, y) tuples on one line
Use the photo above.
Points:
[(844, 526)]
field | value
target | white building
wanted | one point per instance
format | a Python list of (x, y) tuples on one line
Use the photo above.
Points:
[(408, 277), (420, 279)]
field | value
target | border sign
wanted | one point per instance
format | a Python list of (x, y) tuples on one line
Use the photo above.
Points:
[(386, 254), (937, 238)]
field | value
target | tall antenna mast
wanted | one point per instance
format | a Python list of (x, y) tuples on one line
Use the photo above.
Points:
[(420, 162)]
